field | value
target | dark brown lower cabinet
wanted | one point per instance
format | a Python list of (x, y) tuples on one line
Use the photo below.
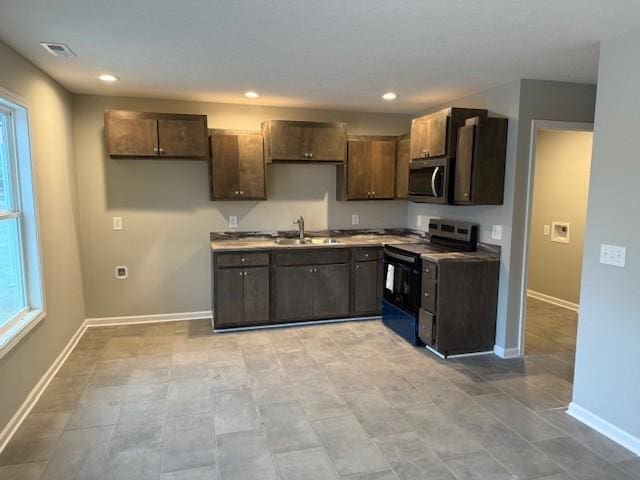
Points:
[(367, 297), (331, 291), (242, 296), (294, 293)]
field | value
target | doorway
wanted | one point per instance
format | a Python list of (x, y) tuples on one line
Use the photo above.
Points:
[(559, 166)]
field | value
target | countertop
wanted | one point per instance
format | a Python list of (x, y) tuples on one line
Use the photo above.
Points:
[(241, 241), (257, 241)]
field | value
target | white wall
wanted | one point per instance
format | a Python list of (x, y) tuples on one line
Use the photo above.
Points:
[(607, 378)]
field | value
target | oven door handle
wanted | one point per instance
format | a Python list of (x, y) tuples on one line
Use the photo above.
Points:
[(400, 257), (433, 181)]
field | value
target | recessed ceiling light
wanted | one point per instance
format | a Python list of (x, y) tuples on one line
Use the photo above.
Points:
[(389, 96), (107, 77), (251, 94)]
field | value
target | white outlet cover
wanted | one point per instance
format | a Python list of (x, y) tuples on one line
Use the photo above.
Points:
[(496, 232), (122, 272), (355, 219), (613, 255), (547, 230), (233, 221), (117, 223)]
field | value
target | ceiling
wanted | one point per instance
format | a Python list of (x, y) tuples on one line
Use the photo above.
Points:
[(315, 53)]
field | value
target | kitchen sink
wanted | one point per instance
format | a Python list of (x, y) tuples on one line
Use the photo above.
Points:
[(292, 241), (324, 241)]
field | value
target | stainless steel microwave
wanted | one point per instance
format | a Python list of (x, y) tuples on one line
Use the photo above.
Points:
[(428, 180)]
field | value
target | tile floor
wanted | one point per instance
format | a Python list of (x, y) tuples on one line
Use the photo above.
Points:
[(340, 401), (549, 329)]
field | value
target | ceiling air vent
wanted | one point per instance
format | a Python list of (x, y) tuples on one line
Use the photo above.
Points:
[(58, 49)]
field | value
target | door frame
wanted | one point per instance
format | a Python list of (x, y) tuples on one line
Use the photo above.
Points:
[(536, 125)]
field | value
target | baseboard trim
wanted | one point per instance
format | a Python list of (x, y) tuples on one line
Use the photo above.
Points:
[(155, 318), (553, 300), (605, 428), (12, 427), (506, 352)]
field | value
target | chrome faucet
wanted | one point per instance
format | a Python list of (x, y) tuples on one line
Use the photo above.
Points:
[(300, 223)]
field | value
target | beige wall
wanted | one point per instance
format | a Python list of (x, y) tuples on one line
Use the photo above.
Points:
[(561, 186), (168, 216), (52, 153)]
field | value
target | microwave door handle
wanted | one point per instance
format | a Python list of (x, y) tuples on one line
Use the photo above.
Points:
[(433, 181)]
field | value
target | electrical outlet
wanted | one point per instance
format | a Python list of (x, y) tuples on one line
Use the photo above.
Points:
[(233, 221), (355, 219), (547, 230), (496, 232), (117, 223), (122, 272), (613, 255)]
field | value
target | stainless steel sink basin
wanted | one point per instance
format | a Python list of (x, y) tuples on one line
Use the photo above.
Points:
[(324, 241), (291, 241)]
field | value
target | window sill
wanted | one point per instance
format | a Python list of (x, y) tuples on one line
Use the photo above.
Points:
[(17, 332)]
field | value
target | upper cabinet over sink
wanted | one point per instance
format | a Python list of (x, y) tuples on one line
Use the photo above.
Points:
[(155, 135), (290, 141)]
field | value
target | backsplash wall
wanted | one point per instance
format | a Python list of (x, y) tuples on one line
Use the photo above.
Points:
[(167, 214)]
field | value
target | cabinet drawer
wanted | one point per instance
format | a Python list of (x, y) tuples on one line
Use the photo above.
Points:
[(365, 254), (242, 259), (429, 270), (426, 327), (428, 296), (315, 257)]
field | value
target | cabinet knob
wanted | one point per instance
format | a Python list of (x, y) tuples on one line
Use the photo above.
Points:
[(366, 255), (427, 270), (242, 259), (310, 154), (237, 192), (426, 294), (466, 195), (155, 149), (161, 150), (357, 267), (241, 273), (373, 194), (241, 192)]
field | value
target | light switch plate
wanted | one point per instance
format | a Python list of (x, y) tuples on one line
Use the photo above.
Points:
[(547, 230), (117, 223), (233, 221), (613, 255), (355, 219), (496, 232)]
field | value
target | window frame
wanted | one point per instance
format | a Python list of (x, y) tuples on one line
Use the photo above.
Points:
[(24, 208)]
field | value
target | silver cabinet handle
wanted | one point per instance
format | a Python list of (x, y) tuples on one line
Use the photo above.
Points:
[(357, 267), (161, 150), (373, 194), (433, 181), (237, 192), (310, 154), (243, 259), (426, 294), (155, 149), (241, 192)]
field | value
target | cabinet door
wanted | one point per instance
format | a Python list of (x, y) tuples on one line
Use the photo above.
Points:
[(183, 138), (358, 170), (464, 163), (437, 134), (383, 168), (225, 153), (251, 160), (326, 143), (367, 293), (419, 138), (131, 136), (256, 295), (331, 292), (229, 297), (294, 293), (403, 158), (287, 141)]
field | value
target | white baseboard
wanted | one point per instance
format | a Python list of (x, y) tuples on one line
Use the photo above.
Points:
[(506, 352), (605, 428), (553, 300), (10, 429), (156, 318)]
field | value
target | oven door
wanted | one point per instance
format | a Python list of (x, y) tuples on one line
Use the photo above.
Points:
[(401, 281), (426, 180)]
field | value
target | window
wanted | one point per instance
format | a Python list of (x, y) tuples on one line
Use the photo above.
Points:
[(21, 298)]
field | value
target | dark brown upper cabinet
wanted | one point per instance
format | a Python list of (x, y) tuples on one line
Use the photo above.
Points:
[(480, 162), (237, 167), (370, 171), (403, 157), (155, 135), (290, 141), (434, 135)]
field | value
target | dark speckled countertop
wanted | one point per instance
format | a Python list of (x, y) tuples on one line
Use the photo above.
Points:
[(243, 241)]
